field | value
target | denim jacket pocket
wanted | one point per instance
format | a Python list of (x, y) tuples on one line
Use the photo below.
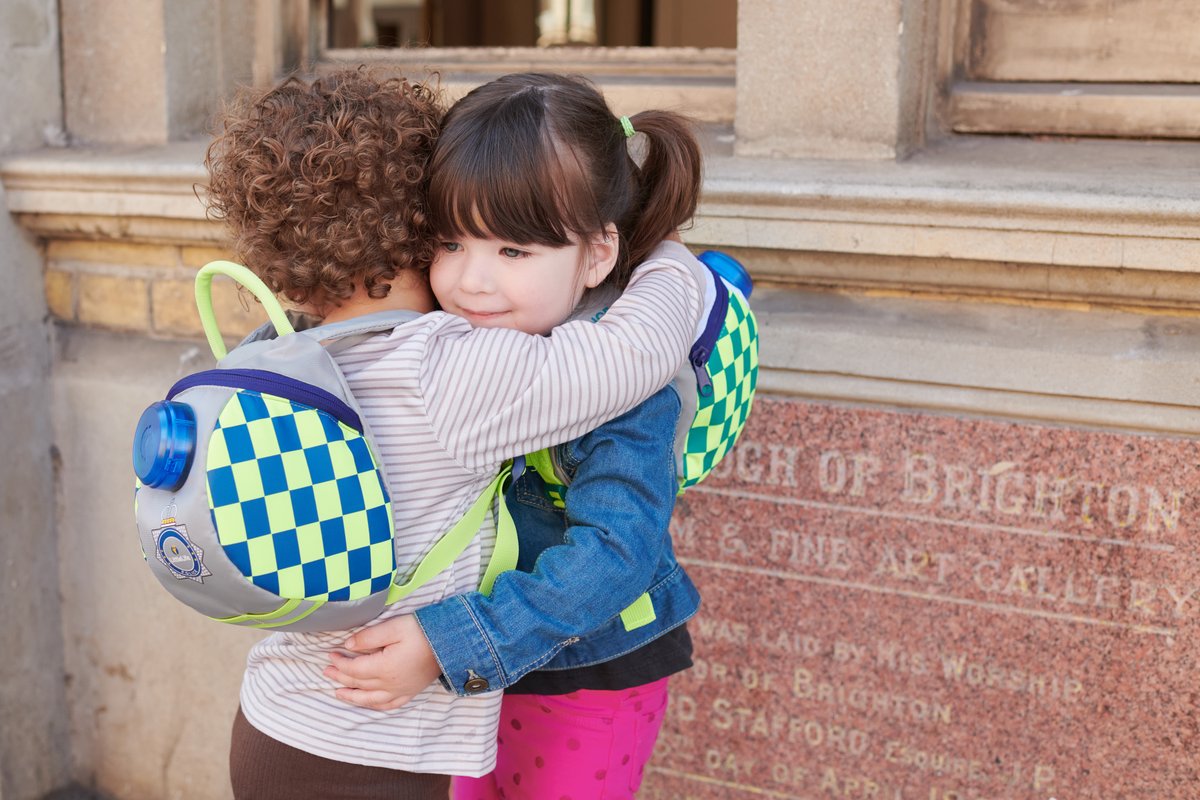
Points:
[(530, 493)]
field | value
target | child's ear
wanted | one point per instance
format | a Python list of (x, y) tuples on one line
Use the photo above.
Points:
[(603, 252)]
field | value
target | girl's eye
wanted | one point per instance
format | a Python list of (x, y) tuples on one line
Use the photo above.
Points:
[(451, 247), (512, 252)]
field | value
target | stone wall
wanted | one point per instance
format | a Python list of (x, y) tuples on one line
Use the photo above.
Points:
[(33, 733), (978, 375)]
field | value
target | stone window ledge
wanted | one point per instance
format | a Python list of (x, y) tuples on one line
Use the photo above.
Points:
[(1097, 204), (1112, 210), (1107, 204), (1101, 368)]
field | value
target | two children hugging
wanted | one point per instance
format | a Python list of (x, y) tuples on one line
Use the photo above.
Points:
[(351, 195)]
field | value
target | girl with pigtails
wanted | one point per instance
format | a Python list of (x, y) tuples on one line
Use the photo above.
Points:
[(542, 213), (325, 187)]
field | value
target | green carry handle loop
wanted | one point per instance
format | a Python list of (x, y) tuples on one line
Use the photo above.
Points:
[(448, 548), (250, 281)]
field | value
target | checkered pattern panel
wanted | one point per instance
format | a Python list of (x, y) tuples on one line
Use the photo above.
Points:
[(720, 417), (297, 500)]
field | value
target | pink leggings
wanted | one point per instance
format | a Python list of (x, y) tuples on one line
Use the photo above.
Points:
[(586, 745)]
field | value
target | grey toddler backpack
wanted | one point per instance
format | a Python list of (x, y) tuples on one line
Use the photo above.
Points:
[(260, 499)]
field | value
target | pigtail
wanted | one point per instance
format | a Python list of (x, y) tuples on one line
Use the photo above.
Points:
[(667, 185)]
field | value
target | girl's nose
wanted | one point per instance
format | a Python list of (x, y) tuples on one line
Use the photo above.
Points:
[(476, 274)]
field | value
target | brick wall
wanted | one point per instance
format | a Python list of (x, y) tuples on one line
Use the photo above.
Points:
[(141, 288)]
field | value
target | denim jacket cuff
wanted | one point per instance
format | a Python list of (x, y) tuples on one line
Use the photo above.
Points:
[(469, 664)]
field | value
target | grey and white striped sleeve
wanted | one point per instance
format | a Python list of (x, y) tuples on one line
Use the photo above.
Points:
[(492, 394)]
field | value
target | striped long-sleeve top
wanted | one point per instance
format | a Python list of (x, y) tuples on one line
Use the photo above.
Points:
[(447, 404)]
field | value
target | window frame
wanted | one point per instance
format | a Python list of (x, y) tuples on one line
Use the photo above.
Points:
[(1064, 108), (699, 82)]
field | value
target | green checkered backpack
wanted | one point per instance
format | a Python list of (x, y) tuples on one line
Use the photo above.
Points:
[(724, 363), (259, 497)]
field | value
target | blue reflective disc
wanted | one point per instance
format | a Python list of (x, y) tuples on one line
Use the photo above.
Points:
[(163, 444), (730, 269)]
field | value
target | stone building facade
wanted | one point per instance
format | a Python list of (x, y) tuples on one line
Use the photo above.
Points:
[(961, 240)]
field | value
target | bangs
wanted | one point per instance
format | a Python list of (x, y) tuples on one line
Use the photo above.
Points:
[(503, 175)]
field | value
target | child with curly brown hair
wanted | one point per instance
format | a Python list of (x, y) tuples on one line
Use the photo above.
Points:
[(322, 184)]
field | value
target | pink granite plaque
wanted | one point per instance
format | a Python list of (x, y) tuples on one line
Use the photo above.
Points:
[(904, 606)]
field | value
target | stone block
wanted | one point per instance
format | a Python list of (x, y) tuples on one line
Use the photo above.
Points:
[(196, 257), (153, 685), (913, 606), (826, 79), (60, 293), (29, 60), (114, 253), (237, 311), (114, 81), (114, 302), (174, 309)]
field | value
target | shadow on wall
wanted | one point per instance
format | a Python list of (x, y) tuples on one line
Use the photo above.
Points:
[(75, 792)]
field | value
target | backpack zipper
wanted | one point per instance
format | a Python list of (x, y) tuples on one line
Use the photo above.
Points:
[(702, 349), (260, 380)]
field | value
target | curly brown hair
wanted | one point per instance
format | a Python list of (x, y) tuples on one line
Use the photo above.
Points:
[(323, 183)]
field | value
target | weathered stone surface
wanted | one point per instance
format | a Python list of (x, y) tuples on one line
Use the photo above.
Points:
[(918, 607)]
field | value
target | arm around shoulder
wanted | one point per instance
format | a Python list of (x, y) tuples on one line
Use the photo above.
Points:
[(617, 516), (495, 394)]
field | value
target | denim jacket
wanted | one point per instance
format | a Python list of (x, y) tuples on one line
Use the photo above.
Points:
[(579, 567)]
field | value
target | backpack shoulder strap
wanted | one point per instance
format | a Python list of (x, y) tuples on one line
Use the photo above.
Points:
[(337, 336), (368, 323), (453, 542)]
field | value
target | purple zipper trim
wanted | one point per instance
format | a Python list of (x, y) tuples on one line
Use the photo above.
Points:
[(260, 380), (702, 349)]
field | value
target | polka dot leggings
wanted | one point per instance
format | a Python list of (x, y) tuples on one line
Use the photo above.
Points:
[(586, 745)]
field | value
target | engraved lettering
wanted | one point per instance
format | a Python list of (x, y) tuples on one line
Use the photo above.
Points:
[(749, 462), (958, 668), (860, 698), (957, 492), (731, 543), (891, 656), (1158, 513), (986, 575), (865, 468), (919, 483), (937, 763), (1141, 596), (831, 473), (1180, 597), (1129, 502), (804, 550), (1091, 490), (1053, 491), (782, 465), (1010, 504)]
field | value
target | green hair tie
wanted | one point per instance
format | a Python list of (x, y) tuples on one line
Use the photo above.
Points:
[(627, 126)]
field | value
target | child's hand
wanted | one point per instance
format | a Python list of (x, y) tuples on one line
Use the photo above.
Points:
[(397, 664)]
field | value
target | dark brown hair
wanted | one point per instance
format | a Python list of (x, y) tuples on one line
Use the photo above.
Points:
[(323, 183), (536, 158)]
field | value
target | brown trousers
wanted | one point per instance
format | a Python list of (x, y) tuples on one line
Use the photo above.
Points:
[(262, 768)]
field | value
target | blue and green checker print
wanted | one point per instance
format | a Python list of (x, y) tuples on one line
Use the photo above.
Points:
[(721, 415), (297, 500)]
